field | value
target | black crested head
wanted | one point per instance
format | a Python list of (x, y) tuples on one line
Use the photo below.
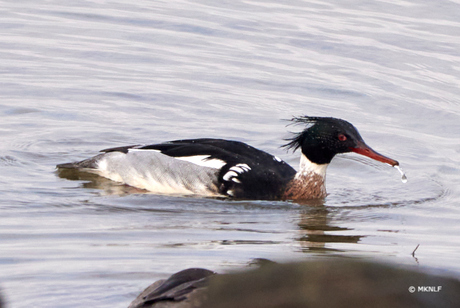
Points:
[(324, 137)]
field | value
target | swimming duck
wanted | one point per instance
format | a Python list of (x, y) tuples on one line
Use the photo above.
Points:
[(226, 168)]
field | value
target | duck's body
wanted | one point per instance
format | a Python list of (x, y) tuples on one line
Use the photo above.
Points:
[(206, 167), (216, 167)]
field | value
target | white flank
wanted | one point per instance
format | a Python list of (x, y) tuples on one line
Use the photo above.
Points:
[(158, 173), (104, 169), (200, 160)]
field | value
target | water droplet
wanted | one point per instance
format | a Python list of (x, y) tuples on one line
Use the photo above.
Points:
[(403, 175)]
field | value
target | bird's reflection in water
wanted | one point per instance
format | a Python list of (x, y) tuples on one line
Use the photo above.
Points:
[(317, 229), (316, 223), (93, 181)]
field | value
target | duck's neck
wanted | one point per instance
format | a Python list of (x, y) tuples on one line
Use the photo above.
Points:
[(309, 182)]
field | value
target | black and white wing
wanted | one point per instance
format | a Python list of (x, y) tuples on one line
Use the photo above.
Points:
[(208, 167), (244, 171)]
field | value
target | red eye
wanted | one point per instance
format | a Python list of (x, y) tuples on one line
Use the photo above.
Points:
[(342, 137)]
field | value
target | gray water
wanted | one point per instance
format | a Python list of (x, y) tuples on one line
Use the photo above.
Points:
[(82, 76)]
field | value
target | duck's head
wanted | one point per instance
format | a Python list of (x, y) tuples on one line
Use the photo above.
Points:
[(325, 137)]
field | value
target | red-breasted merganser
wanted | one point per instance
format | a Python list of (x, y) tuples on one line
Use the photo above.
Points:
[(216, 167)]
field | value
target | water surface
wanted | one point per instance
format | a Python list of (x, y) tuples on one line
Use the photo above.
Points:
[(81, 77)]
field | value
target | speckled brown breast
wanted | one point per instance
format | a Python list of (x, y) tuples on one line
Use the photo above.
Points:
[(305, 186)]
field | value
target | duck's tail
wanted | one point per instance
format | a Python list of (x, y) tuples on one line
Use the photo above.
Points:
[(90, 163)]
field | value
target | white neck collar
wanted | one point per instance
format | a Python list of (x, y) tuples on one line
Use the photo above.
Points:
[(306, 166)]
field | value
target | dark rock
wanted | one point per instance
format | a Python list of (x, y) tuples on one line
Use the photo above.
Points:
[(330, 283)]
